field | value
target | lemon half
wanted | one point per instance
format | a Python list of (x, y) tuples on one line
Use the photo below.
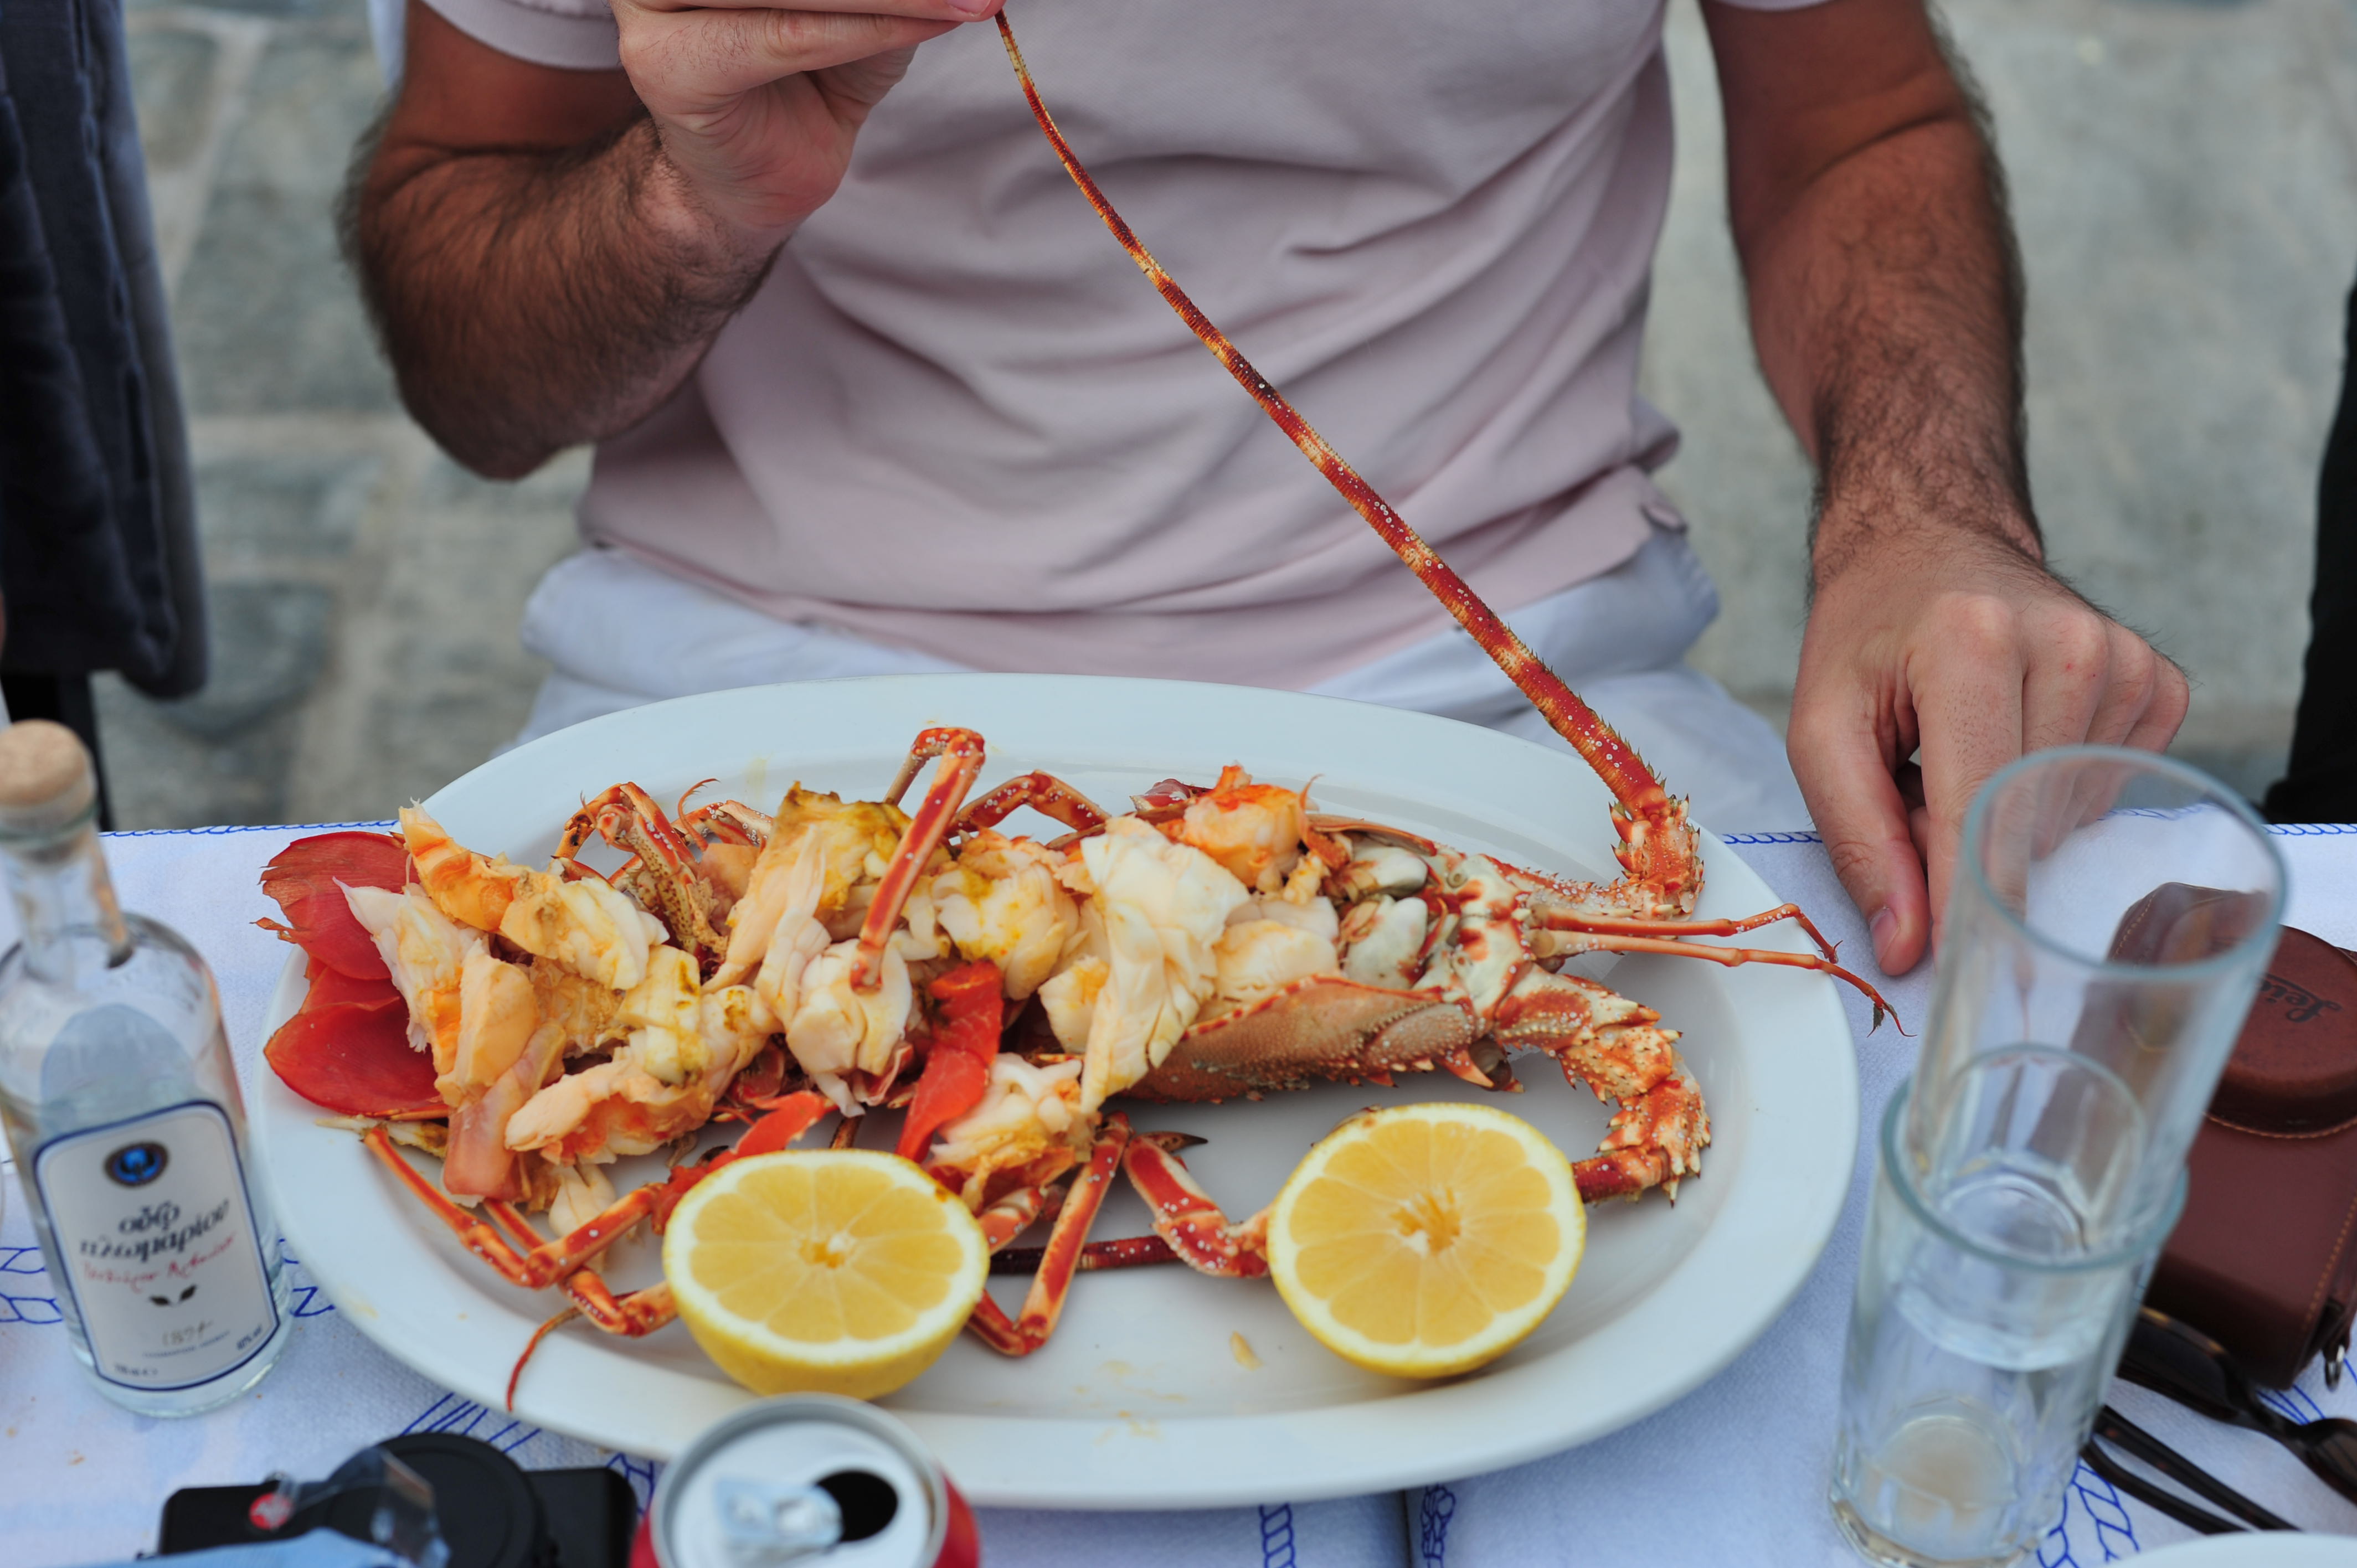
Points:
[(842, 1271), (1425, 1240)]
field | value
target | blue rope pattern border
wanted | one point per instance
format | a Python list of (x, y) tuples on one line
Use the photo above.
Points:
[(1277, 1544), (1434, 1511), (2280, 830), (248, 828)]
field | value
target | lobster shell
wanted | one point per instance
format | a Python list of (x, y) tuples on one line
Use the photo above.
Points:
[(1323, 1027)]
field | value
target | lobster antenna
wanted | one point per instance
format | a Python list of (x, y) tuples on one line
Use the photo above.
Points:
[(1603, 749)]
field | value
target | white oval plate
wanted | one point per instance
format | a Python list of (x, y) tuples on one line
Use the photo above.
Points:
[(1140, 1399)]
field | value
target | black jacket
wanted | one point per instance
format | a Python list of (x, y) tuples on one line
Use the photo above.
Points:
[(98, 568)]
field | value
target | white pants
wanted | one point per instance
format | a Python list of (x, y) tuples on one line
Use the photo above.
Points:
[(621, 633)]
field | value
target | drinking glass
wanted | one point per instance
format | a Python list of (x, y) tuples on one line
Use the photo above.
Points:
[(2111, 915)]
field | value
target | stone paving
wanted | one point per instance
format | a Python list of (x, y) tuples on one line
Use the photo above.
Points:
[(366, 590), (2185, 181)]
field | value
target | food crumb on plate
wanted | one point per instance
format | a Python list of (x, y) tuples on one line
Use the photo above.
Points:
[(1241, 1349)]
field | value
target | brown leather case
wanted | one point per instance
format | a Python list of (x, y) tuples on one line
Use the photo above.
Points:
[(2264, 1260)]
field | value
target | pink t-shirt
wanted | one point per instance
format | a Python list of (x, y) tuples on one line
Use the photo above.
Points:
[(956, 418)]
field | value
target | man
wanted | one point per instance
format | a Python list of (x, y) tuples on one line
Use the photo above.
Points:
[(857, 358), (2320, 783)]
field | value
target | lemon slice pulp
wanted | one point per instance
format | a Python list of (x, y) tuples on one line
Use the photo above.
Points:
[(840, 1271), (1425, 1240)]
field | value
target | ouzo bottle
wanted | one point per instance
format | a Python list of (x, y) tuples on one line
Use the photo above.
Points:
[(122, 1112)]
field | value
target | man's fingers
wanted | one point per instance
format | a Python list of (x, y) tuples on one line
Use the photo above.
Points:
[(1863, 819), (700, 61), (1970, 705), (2135, 682), (1919, 816), (2066, 675), (2084, 684), (2158, 724), (921, 10)]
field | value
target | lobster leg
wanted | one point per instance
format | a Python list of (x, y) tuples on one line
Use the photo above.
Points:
[(542, 1265), (1563, 920), (1017, 1213), (627, 818), (961, 751), (1188, 1222), (1582, 937), (582, 826), (722, 821), (1044, 1302), (641, 1312), (664, 871), (634, 1314), (727, 821), (1122, 1253), (1044, 793)]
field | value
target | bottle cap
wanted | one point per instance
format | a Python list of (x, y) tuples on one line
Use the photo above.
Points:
[(46, 782)]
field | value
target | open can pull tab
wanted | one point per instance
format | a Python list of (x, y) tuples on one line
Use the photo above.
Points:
[(766, 1524)]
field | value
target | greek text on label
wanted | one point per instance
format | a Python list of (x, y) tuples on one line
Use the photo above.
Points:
[(165, 1213)]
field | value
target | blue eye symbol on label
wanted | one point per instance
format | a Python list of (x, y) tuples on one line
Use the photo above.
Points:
[(136, 1165)]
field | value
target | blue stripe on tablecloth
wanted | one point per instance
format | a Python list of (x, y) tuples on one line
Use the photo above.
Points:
[(251, 828), (464, 1417), (2281, 829)]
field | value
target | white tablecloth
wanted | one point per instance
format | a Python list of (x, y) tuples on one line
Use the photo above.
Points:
[(1733, 1472)]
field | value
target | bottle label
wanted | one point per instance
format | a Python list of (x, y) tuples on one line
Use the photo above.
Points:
[(151, 1221)]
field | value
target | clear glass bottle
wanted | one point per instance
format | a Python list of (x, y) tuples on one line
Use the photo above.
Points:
[(122, 1112)]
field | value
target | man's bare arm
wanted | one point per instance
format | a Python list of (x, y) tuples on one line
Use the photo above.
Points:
[(547, 253), (1885, 303)]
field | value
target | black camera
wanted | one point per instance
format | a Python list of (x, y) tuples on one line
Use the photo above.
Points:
[(490, 1513)]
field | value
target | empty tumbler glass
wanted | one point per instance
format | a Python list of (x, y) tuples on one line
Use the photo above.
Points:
[(2111, 915)]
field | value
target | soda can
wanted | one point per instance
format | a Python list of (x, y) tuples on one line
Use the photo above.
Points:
[(814, 1479)]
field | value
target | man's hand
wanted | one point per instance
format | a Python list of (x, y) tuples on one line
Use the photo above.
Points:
[(1964, 646), (756, 106), (1885, 303), (548, 253)]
